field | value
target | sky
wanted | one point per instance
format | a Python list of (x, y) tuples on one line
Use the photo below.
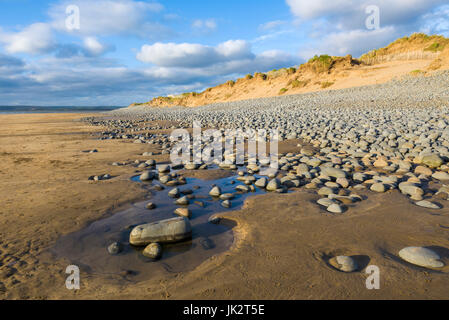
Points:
[(116, 52)]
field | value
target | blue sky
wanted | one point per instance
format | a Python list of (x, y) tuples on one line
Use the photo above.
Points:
[(128, 51)]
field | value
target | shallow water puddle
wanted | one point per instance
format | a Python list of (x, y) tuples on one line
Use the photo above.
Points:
[(87, 248)]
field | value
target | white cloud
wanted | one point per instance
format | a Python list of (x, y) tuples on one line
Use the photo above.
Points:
[(34, 39), (110, 17), (272, 24), (94, 47), (205, 25), (350, 14), (192, 55), (437, 21), (355, 42)]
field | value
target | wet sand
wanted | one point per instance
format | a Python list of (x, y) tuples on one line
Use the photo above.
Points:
[(281, 241)]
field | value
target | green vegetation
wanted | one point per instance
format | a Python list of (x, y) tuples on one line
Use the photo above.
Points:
[(291, 70), (321, 63), (298, 83), (248, 77), (434, 47), (263, 76), (326, 84), (283, 90), (416, 72), (230, 83)]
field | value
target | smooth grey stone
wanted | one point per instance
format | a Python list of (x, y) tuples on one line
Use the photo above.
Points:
[(165, 231), (273, 185), (344, 263), (335, 208), (115, 248), (153, 251), (421, 256), (427, 204)]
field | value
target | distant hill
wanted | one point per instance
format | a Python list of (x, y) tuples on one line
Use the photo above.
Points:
[(416, 55)]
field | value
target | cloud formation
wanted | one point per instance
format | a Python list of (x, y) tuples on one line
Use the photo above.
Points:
[(110, 17), (34, 39), (339, 26), (207, 25), (192, 55)]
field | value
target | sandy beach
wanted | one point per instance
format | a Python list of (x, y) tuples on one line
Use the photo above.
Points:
[(281, 247)]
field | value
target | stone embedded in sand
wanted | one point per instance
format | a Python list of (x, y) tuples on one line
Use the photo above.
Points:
[(302, 168), (359, 176), (380, 162), (164, 168), (151, 162), (423, 170), (344, 263), (325, 191), (378, 187), (226, 204), (273, 185), (335, 208), (215, 191), (226, 196), (174, 193), (343, 182), (412, 190), (182, 201), (191, 166), (427, 204), (115, 248), (214, 219), (164, 231), (183, 212), (325, 202), (432, 160), (333, 172), (150, 206), (439, 175), (242, 188), (422, 257), (146, 176), (261, 183), (153, 251)]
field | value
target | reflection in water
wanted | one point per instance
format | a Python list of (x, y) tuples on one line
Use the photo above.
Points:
[(87, 248)]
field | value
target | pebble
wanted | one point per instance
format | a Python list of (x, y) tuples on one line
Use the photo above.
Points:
[(214, 219), (215, 191), (427, 204), (115, 248), (174, 193), (153, 251), (150, 206), (439, 175), (183, 212), (261, 183), (421, 256), (378, 187), (226, 204), (164, 168), (273, 185), (335, 208), (344, 263), (182, 201)]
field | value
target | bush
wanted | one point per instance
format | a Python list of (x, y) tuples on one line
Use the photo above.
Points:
[(299, 83), (283, 90), (230, 83), (434, 47), (248, 77), (321, 63), (326, 84), (291, 70)]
